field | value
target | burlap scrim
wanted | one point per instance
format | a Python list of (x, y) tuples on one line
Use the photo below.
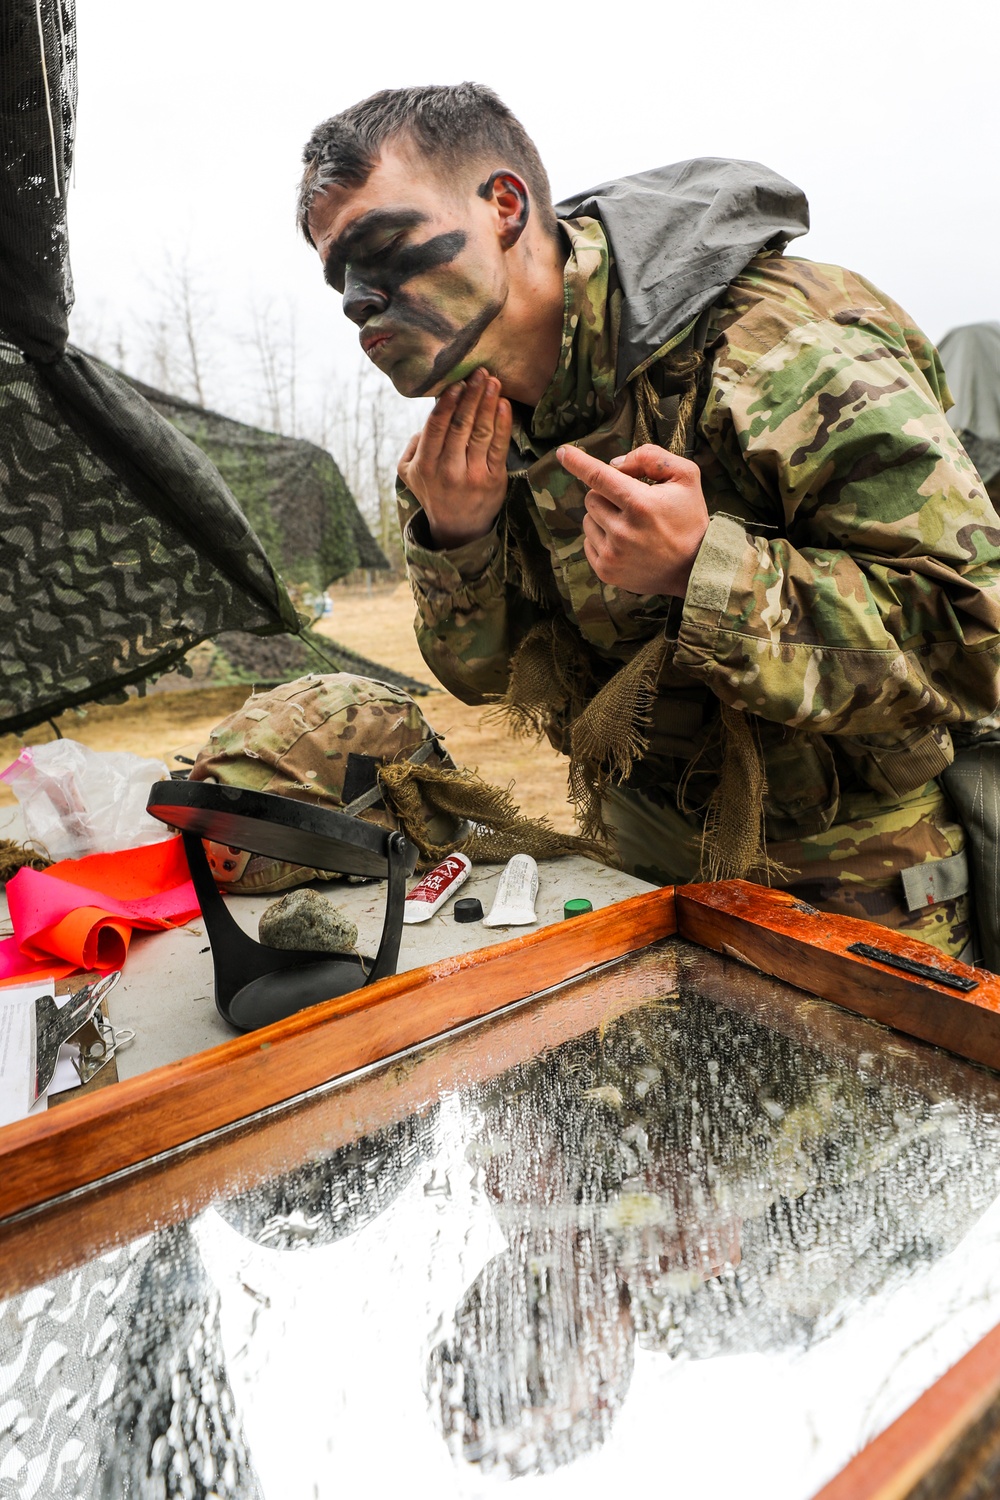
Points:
[(555, 686), (14, 857), (499, 830), (732, 839), (612, 733), (550, 679)]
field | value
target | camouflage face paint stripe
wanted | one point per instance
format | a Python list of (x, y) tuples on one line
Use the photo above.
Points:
[(453, 353), (372, 280)]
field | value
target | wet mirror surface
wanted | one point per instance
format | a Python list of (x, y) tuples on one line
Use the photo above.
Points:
[(713, 1238)]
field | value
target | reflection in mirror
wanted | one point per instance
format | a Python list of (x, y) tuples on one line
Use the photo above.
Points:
[(729, 1229)]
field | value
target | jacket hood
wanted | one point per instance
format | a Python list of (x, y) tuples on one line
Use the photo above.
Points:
[(680, 234), (971, 359)]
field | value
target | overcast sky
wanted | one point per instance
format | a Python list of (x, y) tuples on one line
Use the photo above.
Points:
[(193, 113)]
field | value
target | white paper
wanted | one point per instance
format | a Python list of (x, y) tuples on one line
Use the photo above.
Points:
[(65, 1075), (17, 1047), (17, 1052)]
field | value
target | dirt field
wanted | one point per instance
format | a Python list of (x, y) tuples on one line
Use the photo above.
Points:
[(379, 625)]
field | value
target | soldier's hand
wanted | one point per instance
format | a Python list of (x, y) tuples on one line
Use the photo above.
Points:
[(641, 537), (457, 467)]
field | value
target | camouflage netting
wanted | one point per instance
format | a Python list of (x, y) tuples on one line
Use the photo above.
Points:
[(121, 546), (298, 503), (236, 657), (292, 493), (114, 560)]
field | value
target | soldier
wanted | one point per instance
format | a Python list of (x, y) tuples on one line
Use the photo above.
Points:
[(686, 505)]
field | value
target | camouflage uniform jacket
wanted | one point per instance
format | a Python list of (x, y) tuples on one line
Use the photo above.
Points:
[(846, 591)]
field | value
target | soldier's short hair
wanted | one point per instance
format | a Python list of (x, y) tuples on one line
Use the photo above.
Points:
[(451, 125)]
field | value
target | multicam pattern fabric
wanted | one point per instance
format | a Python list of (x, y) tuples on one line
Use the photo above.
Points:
[(845, 596), (582, 391), (854, 867)]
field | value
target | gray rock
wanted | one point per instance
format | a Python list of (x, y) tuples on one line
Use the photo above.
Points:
[(305, 919)]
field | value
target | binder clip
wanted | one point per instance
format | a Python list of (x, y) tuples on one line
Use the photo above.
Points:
[(56, 1024), (98, 1043)]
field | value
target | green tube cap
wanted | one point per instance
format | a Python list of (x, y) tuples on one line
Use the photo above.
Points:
[(576, 907)]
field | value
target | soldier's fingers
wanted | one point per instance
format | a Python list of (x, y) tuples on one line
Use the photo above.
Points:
[(592, 553), (406, 457), (617, 488), (457, 437), (651, 462), (485, 418), (594, 532), (438, 424), (603, 512), (496, 457)]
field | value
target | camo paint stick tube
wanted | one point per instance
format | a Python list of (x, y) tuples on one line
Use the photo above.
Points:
[(514, 902)]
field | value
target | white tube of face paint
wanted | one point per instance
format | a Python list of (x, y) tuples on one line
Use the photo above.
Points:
[(437, 887), (514, 902)]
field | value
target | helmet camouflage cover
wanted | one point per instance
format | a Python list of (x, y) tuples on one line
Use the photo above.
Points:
[(319, 739)]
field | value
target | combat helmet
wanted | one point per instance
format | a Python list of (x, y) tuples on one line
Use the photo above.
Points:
[(321, 739)]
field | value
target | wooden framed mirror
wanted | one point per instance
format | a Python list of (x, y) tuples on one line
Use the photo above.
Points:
[(551, 1210)]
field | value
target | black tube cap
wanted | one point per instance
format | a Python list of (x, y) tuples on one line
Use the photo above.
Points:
[(469, 909)]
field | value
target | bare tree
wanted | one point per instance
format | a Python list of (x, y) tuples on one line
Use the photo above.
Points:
[(179, 353), (191, 308), (255, 376), (159, 357), (386, 445), (91, 329), (275, 346), (365, 425)]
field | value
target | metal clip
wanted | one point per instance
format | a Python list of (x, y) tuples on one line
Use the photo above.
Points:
[(55, 1024), (97, 1050)]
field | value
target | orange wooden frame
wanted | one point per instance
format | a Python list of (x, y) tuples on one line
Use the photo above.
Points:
[(779, 935), (131, 1122), (59, 1236), (84, 1141), (911, 1448)]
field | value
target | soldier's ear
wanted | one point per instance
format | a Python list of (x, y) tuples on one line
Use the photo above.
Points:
[(508, 193)]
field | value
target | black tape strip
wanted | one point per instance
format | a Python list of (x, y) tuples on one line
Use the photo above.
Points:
[(911, 966)]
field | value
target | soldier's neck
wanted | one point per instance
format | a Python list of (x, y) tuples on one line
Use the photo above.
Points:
[(533, 321)]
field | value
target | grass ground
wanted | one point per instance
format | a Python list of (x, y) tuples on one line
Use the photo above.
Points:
[(380, 625)]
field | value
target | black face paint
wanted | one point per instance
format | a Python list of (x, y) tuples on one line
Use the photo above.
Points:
[(386, 272), (373, 282), (378, 220), (388, 269), (399, 265), (464, 341)]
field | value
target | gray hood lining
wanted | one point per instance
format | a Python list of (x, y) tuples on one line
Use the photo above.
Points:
[(679, 235)]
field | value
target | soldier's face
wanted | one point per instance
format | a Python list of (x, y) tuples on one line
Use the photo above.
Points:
[(420, 267)]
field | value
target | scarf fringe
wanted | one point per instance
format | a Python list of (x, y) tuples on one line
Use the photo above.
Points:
[(553, 688)]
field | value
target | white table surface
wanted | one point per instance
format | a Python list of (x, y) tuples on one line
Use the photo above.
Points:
[(166, 993)]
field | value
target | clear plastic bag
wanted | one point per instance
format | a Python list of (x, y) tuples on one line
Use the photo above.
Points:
[(78, 801)]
